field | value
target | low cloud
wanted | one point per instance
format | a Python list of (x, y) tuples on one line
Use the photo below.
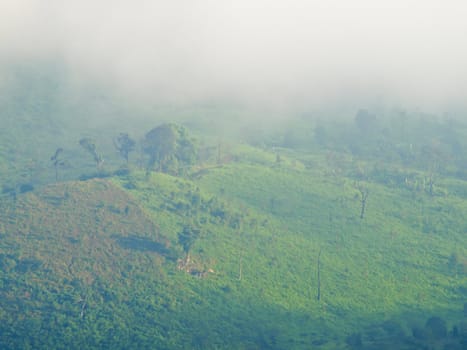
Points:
[(295, 52)]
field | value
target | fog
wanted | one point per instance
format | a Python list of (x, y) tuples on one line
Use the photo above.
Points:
[(255, 52)]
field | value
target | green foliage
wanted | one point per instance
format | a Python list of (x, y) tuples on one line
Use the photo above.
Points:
[(124, 145), (169, 146), (159, 144), (96, 263), (188, 236)]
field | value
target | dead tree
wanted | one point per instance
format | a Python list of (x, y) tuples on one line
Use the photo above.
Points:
[(318, 295), (57, 161), (83, 306), (90, 146), (363, 198), (242, 250), (240, 267)]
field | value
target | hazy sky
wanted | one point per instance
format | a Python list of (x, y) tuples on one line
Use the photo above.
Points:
[(281, 51)]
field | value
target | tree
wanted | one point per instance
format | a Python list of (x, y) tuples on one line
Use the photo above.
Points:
[(170, 146), (89, 145), (124, 145), (159, 144), (435, 157), (186, 151), (187, 238), (57, 161), (318, 295), (363, 198)]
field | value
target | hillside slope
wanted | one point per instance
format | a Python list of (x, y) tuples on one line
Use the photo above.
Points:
[(62, 250), (101, 263)]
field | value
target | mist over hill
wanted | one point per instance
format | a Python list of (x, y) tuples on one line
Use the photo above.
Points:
[(299, 54), (233, 175)]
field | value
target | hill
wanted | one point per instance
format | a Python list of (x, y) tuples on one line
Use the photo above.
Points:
[(305, 234), (100, 263)]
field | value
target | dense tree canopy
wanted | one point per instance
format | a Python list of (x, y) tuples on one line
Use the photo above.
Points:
[(169, 146)]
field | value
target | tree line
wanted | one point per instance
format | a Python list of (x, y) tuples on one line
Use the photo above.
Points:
[(166, 148)]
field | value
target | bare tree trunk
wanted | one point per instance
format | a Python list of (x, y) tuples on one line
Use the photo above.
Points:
[(364, 196), (240, 268), (83, 307), (318, 296)]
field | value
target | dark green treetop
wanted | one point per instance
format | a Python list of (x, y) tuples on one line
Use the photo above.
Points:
[(188, 236), (169, 146), (124, 145)]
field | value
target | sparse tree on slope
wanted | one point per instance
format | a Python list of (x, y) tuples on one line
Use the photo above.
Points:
[(57, 161), (187, 238), (364, 192), (89, 145), (124, 145)]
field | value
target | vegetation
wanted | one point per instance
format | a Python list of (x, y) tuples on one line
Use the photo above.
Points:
[(57, 161), (90, 146), (170, 147), (124, 145), (316, 235)]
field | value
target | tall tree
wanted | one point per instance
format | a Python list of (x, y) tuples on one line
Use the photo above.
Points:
[(187, 237), (57, 161), (159, 144), (318, 294), (364, 192), (90, 146), (186, 151), (124, 145)]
